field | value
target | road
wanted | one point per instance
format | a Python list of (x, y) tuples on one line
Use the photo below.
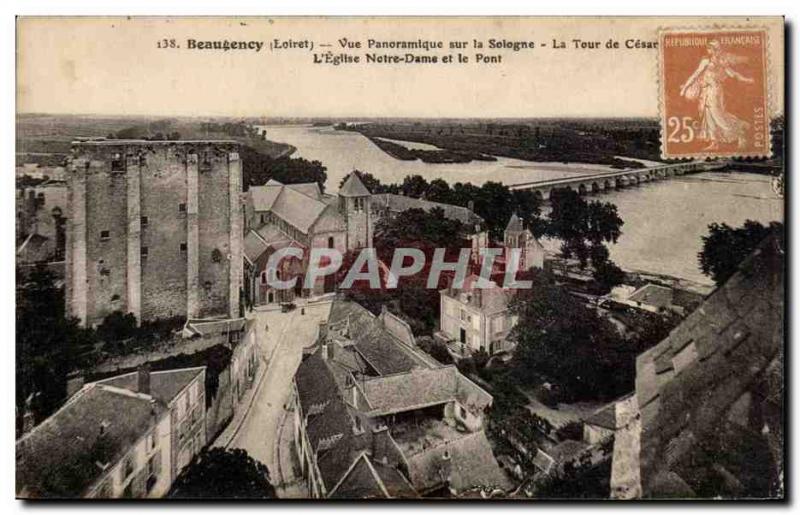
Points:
[(281, 336)]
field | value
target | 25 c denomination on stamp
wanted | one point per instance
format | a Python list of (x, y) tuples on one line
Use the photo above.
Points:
[(714, 96)]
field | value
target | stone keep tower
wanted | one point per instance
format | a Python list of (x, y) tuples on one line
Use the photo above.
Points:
[(355, 205), (154, 229)]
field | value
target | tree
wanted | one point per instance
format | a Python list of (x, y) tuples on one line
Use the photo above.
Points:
[(724, 248), (49, 345), (560, 338), (423, 230), (223, 474), (258, 169), (116, 327)]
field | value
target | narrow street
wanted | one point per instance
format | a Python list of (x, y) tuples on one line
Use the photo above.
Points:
[(282, 337)]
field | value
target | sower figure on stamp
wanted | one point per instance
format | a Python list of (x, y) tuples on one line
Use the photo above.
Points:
[(717, 125)]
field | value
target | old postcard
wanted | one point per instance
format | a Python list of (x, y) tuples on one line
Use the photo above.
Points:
[(508, 258)]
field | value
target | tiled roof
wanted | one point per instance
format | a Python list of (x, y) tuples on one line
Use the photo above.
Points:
[(353, 187), (653, 295), (263, 197), (687, 385), (310, 189), (471, 464), (397, 203), (165, 385), (422, 387), (67, 453), (375, 344), (367, 479), (254, 246), (35, 248), (605, 417), (298, 204)]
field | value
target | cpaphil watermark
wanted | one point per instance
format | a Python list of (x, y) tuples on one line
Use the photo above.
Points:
[(368, 269)]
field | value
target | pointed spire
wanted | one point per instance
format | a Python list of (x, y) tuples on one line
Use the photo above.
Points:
[(353, 187), (514, 224)]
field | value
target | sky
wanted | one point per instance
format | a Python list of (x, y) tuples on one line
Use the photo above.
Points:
[(114, 66)]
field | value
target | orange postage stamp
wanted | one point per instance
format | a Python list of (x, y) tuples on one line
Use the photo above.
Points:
[(714, 93)]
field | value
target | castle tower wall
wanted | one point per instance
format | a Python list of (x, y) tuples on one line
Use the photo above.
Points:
[(154, 229)]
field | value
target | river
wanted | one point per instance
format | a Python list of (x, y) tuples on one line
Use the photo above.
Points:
[(664, 220)]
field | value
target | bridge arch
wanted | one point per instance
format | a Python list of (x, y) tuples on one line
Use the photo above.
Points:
[(582, 189), (539, 195), (595, 188), (607, 185)]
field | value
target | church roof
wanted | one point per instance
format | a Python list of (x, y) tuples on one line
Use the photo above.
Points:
[(353, 187)]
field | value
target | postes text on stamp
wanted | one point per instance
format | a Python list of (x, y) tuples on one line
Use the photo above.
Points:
[(714, 93)]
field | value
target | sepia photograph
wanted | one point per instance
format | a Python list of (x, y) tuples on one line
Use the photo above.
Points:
[(499, 258)]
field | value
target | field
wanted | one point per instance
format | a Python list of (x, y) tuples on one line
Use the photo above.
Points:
[(46, 139)]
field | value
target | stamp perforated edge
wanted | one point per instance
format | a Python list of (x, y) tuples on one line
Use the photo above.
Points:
[(768, 94)]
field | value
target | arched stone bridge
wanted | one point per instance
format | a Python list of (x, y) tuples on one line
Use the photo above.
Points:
[(617, 179)]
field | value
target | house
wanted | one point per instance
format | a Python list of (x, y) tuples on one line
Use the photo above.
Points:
[(41, 212), (476, 319), (374, 416), (516, 236), (125, 436), (707, 414), (653, 298)]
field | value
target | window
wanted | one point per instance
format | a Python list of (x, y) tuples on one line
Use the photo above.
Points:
[(181, 208), (153, 467), (183, 247), (117, 163), (105, 235), (233, 336), (144, 221), (145, 250), (264, 277), (151, 442), (128, 465), (263, 218)]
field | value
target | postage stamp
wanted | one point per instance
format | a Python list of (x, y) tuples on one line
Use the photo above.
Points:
[(714, 93)]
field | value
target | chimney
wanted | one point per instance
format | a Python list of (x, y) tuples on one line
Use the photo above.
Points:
[(380, 444), (143, 376)]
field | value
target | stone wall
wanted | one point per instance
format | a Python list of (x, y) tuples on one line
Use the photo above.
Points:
[(173, 216)]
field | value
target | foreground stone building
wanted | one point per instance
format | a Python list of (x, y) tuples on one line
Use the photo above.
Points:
[(375, 417), (154, 229), (127, 436), (706, 419)]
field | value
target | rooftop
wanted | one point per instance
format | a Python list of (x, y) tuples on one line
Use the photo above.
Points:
[(397, 203), (165, 385), (353, 187), (693, 388), (67, 453)]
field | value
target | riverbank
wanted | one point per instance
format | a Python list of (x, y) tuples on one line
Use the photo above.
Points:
[(403, 153), (576, 142)]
